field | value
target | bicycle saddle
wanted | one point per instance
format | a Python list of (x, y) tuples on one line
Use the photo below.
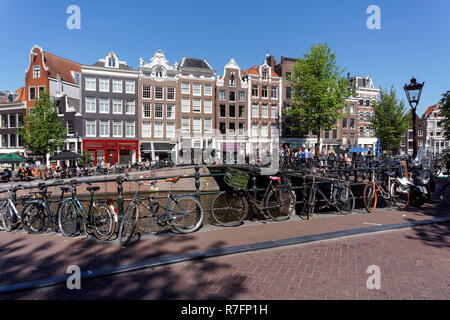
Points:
[(93, 189), (275, 179), (65, 189), (174, 180)]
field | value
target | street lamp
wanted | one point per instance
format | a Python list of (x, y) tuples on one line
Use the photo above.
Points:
[(413, 93)]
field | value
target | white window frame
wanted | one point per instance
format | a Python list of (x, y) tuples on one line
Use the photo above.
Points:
[(185, 88), (207, 106), (90, 84), (130, 103), (143, 110), (196, 106), (157, 133), (101, 82), (272, 90), (170, 133), (207, 90), (148, 87), (101, 125), (38, 69), (162, 93), (264, 130), (130, 125), (196, 89), (209, 126), (222, 95), (114, 103), (100, 105), (274, 111), (146, 129), (120, 134), (183, 122), (88, 101), (162, 111), (255, 109), (186, 107), (174, 93), (130, 84), (89, 124), (115, 84), (171, 115), (265, 113), (197, 125)]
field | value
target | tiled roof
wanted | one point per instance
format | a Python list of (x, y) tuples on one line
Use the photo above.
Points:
[(255, 70), (61, 65), (21, 94), (430, 109), (122, 66), (194, 63)]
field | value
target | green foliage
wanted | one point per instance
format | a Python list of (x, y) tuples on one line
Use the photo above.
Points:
[(391, 120), (446, 111), (85, 159), (319, 91), (43, 132)]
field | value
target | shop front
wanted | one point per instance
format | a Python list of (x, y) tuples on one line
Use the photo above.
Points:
[(112, 151)]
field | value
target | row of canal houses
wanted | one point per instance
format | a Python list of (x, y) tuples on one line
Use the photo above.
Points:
[(180, 111)]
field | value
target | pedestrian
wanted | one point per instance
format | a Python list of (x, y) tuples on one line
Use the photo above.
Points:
[(331, 156)]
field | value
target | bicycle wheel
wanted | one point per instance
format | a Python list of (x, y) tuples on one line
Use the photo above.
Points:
[(280, 204), (186, 214), (343, 199), (370, 197), (67, 219), (128, 224), (103, 222), (5, 216), (33, 217), (399, 196), (310, 203), (229, 209)]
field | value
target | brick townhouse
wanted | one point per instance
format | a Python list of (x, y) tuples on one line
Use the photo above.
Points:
[(12, 113)]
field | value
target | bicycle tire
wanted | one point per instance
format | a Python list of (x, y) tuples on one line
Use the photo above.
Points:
[(370, 197), (227, 209), (178, 208), (33, 218), (5, 216), (400, 199), (128, 223), (343, 199), (308, 206), (283, 204), (67, 219), (104, 225)]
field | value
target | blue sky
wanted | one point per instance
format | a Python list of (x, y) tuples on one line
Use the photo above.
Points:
[(414, 37)]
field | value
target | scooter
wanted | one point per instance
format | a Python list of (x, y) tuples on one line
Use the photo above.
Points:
[(424, 184)]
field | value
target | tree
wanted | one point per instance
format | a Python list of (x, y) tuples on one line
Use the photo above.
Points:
[(391, 120), (85, 160), (319, 92), (445, 101), (43, 132)]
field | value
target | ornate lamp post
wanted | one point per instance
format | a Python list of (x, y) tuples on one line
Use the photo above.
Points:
[(413, 93)]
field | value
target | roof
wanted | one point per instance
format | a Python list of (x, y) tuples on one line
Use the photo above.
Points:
[(61, 65), (19, 95), (255, 71), (195, 64), (122, 66), (430, 110)]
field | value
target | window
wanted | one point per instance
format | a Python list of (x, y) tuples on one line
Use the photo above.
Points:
[(146, 92), (159, 93), (241, 96), (130, 86), (12, 121), (361, 102), (207, 104), (117, 129), (104, 128), (352, 109), (344, 111), (20, 141), (255, 91), (185, 88), (207, 90), (207, 125), (90, 84), (232, 96), (104, 105), (103, 85), (241, 129), (146, 129), (222, 127), (255, 111), (146, 110), (159, 110), (361, 131), (159, 130), (274, 93), (159, 73), (420, 133), (196, 106), (197, 125), (36, 72), (367, 103), (130, 129), (21, 121), (361, 116), (70, 128), (327, 134), (117, 106), (5, 141), (170, 93), (264, 92), (335, 132), (91, 130), (91, 106), (255, 130), (185, 105), (170, 130), (264, 111), (241, 112), (264, 75), (12, 140), (170, 112), (288, 92), (264, 130), (352, 123), (185, 124), (232, 128), (130, 108), (288, 76), (223, 112), (232, 81), (117, 86), (344, 123), (5, 121), (232, 111), (111, 62), (32, 93), (274, 111), (222, 95), (40, 90), (197, 89)]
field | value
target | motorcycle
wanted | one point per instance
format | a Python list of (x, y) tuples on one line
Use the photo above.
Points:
[(423, 179)]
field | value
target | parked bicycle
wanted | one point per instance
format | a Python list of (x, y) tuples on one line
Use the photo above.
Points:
[(9, 214), (441, 195), (184, 212), (100, 219), (393, 191), (340, 197), (229, 208)]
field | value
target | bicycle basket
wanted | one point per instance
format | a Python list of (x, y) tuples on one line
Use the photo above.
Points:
[(236, 178)]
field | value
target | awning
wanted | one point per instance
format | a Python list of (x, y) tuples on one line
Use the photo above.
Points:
[(146, 147), (162, 147)]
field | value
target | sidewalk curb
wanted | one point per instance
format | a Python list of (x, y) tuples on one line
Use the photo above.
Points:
[(173, 259)]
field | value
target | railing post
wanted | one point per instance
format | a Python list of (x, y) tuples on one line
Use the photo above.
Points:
[(197, 182), (120, 197)]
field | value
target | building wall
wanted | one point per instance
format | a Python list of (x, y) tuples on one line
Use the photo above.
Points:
[(36, 59), (10, 128)]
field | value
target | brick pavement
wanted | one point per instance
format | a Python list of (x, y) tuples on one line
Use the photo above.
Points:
[(414, 263)]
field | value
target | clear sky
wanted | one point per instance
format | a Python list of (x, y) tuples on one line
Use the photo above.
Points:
[(414, 38)]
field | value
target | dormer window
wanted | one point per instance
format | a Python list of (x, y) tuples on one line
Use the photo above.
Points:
[(232, 80), (265, 75), (112, 62), (159, 73), (36, 72)]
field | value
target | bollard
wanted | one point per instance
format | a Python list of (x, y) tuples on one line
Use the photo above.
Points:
[(120, 197)]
